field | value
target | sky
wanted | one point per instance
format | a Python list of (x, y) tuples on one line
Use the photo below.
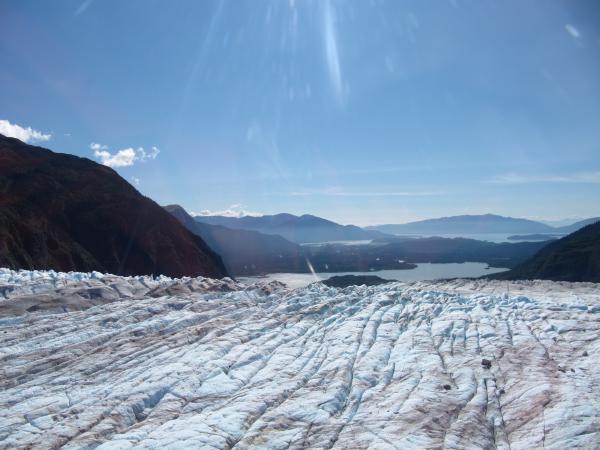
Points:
[(363, 112)]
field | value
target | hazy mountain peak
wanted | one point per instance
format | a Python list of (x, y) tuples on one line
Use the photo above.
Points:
[(467, 224), (299, 229)]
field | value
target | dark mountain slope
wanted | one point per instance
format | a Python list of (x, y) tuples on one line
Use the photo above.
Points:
[(299, 229), (246, 252), (65, 213), (575, 257), (474, 224)]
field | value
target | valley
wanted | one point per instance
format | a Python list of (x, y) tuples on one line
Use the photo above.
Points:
[(299, 224), (96, 223), (248, 252)]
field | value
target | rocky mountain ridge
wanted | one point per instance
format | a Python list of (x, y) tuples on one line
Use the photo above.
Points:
[(62, 212)]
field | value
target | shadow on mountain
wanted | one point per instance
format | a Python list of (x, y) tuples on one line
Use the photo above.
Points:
[(68, 213), (575, 257)]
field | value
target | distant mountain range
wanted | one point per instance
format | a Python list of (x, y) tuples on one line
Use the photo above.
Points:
[(477, 224), (298, 229), (250, 252), (246, 252), (68, 213), (575, 257)]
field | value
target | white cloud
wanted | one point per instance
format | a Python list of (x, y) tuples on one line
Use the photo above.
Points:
[(123, 158), (28, 134), (579, 177), (232, 211), (135, 181), (95, 146)]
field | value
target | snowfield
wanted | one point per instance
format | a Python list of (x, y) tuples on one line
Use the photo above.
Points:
[(106, 362)]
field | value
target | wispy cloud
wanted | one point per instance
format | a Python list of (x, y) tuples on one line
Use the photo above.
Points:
[(85, 4), (332, 55), (143, 155), (135, 181), (572, 31), (122, 158), (334, 192), (25, 134), (579, 177), (96, 146), (233, 211)]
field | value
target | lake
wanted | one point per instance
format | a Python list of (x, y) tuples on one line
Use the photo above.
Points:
[(424, 271)]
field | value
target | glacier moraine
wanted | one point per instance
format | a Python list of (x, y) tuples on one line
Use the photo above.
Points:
[(107, 362)]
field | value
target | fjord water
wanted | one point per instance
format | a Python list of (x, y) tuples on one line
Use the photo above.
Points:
[(424, 271), (490, 237)]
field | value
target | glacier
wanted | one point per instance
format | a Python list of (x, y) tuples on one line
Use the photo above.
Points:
[(108, 362)]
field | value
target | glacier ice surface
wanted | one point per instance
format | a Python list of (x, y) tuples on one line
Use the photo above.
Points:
[(107, 362)]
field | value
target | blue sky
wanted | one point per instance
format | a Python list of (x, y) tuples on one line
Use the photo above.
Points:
[(359, 111)]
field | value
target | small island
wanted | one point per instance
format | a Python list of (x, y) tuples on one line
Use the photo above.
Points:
[(341, 281)]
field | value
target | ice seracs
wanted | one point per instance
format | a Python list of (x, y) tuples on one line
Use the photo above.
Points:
[(51, 292), (194, 364)]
